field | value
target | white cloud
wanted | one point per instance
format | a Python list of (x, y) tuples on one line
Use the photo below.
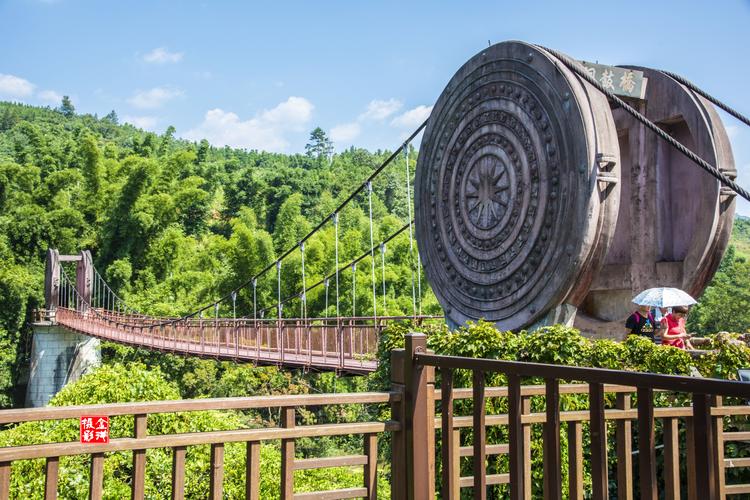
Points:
[(380, 110), (345, 132), (50, 96), (266, 131), (412, 118), (155, 97), (144, 122), (161, 55), (15, 86)]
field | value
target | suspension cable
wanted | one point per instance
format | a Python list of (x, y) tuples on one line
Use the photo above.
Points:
[(576, 67), (706, 95)]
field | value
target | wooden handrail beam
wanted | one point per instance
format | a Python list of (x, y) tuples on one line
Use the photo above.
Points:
[(185, 405), (9, 454)]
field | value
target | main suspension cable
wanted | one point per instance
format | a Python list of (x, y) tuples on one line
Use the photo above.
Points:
[(707, 96), (577, 68)]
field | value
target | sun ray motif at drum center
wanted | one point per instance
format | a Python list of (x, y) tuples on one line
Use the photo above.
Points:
[(487, 192)]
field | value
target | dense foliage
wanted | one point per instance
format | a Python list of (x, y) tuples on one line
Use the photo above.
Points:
[(174, 224)]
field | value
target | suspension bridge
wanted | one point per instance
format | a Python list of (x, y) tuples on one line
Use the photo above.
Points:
[(82, 301)]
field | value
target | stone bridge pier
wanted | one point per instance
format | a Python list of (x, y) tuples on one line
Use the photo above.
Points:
[(58, 355)]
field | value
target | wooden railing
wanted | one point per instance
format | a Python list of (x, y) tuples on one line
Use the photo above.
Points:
[(287, 433), (424, 419), (413, 372)]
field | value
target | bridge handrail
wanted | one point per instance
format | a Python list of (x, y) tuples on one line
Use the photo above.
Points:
[(674, 383)]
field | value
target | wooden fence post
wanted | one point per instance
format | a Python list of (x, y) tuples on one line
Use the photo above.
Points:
[(718, 437), (420, 437), (624, 437), (703, 446), (398, 438), (138, 489), (526, 464), (287, 455)]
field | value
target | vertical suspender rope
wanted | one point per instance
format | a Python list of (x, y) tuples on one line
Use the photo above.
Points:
[(336, 227), (382, 266), (326, 286), (354, 290), (255, 301), (303, 297), (372, 256), (411, 235), (278, 287), (419, 282), (216, 336)]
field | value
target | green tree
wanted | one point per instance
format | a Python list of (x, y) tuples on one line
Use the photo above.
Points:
[(112, 118), (318, 146), (66, 107)]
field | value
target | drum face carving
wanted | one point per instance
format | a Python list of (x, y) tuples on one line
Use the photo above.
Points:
[(511, 220)]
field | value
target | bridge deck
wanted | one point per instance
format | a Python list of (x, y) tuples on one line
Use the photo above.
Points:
[(345, 345)]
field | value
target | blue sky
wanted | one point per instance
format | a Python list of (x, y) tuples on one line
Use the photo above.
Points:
[(262, 75)]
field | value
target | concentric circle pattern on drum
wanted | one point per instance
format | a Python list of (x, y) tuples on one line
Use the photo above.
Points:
[(502, 165)]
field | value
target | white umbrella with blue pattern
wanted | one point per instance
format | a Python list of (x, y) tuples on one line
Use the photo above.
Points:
[(663, 297)]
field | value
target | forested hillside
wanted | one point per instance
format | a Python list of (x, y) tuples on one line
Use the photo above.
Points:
[(173, 224)]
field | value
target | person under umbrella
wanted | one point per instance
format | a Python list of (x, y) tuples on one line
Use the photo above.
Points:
[(641, 322), (672, 325), (675, 333)]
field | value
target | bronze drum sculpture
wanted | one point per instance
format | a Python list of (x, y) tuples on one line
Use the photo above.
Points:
[(520, 181)]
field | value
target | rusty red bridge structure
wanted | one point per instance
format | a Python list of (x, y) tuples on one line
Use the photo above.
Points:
[(81, 301)]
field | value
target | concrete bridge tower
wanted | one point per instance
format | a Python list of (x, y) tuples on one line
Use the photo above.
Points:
[(59, 355)]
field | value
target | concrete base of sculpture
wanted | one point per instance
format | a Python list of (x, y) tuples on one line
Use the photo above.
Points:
[(598, 329), (564, 314), (58, 356)]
